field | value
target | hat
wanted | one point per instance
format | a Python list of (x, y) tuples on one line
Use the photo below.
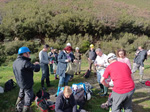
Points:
[(91, 46), (111, 56), (77, 48), (68, 48), (68, 44)]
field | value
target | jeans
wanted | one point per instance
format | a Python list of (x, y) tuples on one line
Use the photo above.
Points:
[(99, 75), (63, 80), (45, 74)]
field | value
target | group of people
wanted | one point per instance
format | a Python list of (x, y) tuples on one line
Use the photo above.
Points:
[(23, 70), (111, 70)]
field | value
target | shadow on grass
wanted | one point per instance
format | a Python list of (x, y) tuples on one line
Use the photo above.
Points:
[(141, 102)]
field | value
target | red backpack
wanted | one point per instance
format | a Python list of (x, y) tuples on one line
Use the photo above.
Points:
[(42, 101)]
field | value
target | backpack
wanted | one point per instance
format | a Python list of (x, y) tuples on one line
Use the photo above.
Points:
[(9, 85), (43, 103), (87, 74), (80, 97)]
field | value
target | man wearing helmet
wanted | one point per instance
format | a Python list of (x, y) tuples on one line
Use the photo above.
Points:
[(23, 71), (91, 55), (123, 89)]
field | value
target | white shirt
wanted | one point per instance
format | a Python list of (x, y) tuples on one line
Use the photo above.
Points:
[(102, 60)]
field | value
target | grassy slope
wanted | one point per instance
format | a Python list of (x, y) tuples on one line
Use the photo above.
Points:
[(8, 99), (141, 101)]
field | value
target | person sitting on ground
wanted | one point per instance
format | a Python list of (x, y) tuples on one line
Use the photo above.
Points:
[(65, 102), (121, 56)]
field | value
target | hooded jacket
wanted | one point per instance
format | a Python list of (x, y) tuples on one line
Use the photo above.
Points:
[(23, 71)]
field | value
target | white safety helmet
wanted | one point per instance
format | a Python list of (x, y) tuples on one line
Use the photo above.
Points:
[(68, 44), (77, 48), (111, 56), (88, 97)]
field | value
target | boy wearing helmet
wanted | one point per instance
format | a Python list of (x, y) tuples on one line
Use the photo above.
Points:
[(23, 71)]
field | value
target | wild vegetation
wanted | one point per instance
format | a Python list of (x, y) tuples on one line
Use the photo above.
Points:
[(106, 23)]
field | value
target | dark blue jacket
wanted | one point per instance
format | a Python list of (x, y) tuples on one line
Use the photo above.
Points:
[(62, 105), (62, 64), (23, 71)]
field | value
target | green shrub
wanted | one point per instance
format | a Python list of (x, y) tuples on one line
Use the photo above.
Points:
[(12, 47), (2, 54)]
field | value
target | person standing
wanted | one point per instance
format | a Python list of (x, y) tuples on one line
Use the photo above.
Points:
[(121, 56), (43, 57), (51, 56), (77, 55), (63, 59), (124, 86), (101, 63), (23, 70), (55, 63), (91, 54), (138, 63), (73, 57)]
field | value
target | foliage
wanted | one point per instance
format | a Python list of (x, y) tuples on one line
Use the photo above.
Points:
[(2, 54), (58, 19)]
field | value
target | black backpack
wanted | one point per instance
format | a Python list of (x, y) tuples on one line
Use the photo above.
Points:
[(9, 85), (87, 74)]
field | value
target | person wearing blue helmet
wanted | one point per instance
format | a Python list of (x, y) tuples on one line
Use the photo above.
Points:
[(23, 70)]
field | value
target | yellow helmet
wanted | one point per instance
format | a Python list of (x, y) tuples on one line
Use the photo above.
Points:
[(92, 46)]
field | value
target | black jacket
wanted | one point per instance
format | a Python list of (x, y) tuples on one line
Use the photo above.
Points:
[(62, 106), (23, 71)]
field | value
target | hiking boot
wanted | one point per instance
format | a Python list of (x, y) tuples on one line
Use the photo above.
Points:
[(79, 73)]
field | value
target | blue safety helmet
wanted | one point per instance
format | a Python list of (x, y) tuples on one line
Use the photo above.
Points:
[(23, 50)]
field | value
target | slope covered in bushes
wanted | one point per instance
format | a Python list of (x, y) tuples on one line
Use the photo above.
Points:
[(81, 22)]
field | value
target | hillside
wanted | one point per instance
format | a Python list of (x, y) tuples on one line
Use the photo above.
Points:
[(109, 24)]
